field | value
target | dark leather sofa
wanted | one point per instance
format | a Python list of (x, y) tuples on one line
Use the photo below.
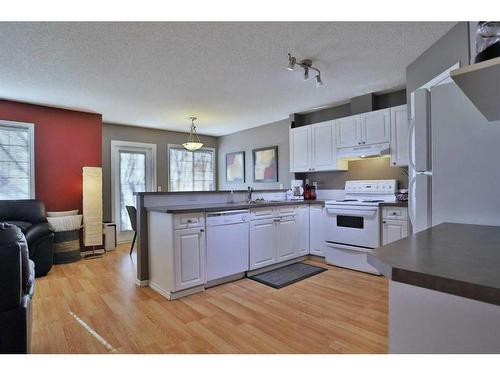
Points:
[(30, 216), (17, 283)]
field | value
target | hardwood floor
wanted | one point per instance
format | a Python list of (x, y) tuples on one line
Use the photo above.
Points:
[(93, 306)]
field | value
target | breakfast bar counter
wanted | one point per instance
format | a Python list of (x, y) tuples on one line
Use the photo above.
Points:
[(444, 289)]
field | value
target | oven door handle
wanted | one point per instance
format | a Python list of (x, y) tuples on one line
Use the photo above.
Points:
[(351, 212)]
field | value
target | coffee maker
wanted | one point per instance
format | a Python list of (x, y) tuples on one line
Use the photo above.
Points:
[(297, 190)]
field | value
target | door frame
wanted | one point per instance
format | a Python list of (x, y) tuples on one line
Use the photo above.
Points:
[(116, 146)]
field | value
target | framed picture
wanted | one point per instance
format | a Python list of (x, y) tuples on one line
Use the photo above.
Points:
[(265, 164), (235, 167)]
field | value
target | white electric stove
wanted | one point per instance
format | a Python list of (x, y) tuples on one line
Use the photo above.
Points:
[(353, 223)]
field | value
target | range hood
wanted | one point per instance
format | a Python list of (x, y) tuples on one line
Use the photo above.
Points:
[(363, 152)]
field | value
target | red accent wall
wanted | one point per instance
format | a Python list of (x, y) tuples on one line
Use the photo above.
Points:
[(65, 141)]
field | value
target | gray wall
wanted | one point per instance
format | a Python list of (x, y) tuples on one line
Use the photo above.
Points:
[(145, 135), (273, 134), (369, 169), (357, 105), (452, 47)]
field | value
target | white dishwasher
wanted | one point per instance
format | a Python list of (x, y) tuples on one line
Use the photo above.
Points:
[(227, 243)]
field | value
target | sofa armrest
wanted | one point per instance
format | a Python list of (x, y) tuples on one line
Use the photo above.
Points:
[(37, 231)]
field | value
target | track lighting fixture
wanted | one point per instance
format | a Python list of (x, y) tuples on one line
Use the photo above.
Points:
[(305, 64)]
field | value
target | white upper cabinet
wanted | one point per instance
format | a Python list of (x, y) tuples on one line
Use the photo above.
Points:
[(300, 149), (376, 127), (348, 131), (399, 136), (313, 148)]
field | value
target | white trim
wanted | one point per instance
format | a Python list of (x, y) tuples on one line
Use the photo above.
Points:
[(441, 79), (169, 146), (117, 145), (31, 129), (141, 283)]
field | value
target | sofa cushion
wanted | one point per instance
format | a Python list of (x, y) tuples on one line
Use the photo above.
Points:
[(37, 231), (29, 210)]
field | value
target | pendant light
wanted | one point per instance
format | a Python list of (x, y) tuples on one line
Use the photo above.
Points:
[(193, 143)]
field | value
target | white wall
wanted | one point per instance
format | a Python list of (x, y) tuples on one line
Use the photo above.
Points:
[(273, 134)]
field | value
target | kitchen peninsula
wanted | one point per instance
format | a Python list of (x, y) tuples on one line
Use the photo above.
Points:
[(181, 203)]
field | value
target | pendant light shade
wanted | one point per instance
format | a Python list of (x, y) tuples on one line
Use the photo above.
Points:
[(193, 143)]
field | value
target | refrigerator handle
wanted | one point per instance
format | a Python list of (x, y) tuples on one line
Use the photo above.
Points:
[(411, 201), (411, 137)]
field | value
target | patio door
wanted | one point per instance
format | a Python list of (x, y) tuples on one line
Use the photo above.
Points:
[(133, 169)]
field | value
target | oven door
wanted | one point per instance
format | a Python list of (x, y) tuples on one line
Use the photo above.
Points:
[(353, 225)]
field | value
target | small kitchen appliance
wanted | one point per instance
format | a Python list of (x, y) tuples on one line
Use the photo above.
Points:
[(353, 223), (297, 190)]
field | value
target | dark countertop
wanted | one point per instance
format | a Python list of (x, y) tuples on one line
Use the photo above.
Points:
[(211, 207), (459, 259)]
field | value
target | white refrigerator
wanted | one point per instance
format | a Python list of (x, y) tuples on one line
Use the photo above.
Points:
[(454, 164)]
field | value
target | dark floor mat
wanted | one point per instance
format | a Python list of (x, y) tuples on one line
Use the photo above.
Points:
[(287, 275)]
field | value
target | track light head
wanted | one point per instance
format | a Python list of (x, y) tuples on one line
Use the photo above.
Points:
[(319, 82), (291, 62), (306, 74)]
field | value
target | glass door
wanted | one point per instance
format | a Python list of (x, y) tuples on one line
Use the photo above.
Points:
[(133, 171)]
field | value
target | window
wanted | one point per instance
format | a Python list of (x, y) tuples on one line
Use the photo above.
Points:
[(191, 170), (16, 160)]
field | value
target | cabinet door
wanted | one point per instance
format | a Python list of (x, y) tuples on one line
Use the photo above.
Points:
[(399, 136), (300, 149), (376, 126), (302, 229), (287, 238), (317, 232), (348, 131), (393, 230), (262, 243), (324, 149), (189, 257)]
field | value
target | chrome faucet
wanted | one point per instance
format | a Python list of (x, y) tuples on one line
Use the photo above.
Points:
[(249, 197)]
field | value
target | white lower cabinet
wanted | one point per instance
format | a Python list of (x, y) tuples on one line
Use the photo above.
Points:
[(317, 230), (263, 251), (282, 237), (189, 257), (394, 224), (286, 232)]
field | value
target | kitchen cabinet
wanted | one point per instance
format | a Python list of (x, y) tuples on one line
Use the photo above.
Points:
[(348, 131), (394, 224), (263, 243), (399, 136), (279, 236), (317, 230), (365, 129), (313, 148), (376, 127), (302, 233), (189, 257), (286, 232), (300, 149)]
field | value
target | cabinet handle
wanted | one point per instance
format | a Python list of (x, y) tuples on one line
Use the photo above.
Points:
[(383, 222), (393, 163), (189, 221), (202, 230)]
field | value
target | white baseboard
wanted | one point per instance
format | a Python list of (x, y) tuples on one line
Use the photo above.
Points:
[(141, 283)]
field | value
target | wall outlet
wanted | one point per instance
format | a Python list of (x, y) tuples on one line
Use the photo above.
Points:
[(159, 188), (281, 186)]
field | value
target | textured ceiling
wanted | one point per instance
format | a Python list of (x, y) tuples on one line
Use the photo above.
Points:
[(231, 75)]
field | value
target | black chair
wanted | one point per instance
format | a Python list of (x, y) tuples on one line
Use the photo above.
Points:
[(17, 284), (132, 214), (30, 216)]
